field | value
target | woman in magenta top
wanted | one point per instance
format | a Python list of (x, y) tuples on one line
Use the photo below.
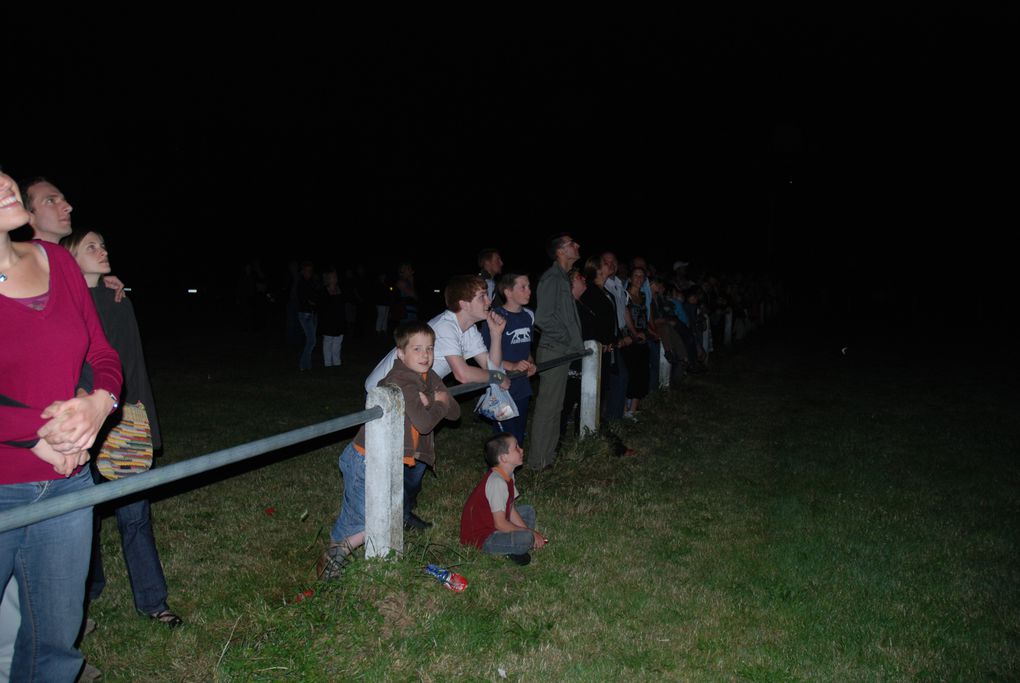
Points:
[(48, 329)]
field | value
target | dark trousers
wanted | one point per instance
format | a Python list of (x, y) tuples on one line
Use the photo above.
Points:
[(413, 477)]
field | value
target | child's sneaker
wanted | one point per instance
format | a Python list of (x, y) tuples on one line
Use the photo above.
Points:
[(332, 562), (523, 559)]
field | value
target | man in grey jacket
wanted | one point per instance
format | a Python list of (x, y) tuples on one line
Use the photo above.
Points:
[(556, 317)]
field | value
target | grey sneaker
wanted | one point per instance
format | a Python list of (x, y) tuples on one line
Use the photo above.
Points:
[(332, 562)]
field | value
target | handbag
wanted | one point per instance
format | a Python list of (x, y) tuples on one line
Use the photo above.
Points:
[(127, 449)]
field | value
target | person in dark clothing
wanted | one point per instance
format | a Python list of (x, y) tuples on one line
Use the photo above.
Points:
[(332, 319), (307, 304), (134, 520)]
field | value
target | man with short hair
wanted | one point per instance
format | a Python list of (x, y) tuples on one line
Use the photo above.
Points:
[(556, 316), (490, 264), (457, 340), (49, 214), (457, 337)]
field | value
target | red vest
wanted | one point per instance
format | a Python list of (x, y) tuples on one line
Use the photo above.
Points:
[(476, 520)]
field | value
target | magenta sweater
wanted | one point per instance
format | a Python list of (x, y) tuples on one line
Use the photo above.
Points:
[(41, 354)]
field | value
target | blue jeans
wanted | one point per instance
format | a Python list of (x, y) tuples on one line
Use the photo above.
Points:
[(513, 542), (148, 584), (50, 560), (308, 325), (351, 519), (413, 477)]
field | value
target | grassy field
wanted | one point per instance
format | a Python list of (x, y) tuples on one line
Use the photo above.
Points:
[(796, 514)]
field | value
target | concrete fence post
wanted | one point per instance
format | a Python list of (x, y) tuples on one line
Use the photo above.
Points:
[(591, 381), (664, 368), (384, 474)]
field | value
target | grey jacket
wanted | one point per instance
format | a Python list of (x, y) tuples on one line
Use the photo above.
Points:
[(556, 314)]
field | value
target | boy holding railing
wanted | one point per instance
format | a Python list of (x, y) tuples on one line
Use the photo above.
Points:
[(426, 403)]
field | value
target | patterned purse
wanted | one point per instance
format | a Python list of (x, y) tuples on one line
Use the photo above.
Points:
[(128, 447)]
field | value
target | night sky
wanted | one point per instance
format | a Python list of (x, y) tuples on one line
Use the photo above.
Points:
[(844, 151)]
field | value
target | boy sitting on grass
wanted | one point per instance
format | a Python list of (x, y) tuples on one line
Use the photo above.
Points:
[(490, 520), (426, 403)]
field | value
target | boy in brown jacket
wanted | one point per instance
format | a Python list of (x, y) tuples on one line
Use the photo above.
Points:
[(426, 403)]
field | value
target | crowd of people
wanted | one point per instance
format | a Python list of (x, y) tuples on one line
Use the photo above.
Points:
[(73, 385), (633, 312)]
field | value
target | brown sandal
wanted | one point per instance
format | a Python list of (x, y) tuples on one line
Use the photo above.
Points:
[(332, 561)]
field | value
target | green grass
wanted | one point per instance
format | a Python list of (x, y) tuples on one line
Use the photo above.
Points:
[(793, 515)]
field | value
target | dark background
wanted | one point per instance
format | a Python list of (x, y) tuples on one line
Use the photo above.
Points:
[(867, 158)]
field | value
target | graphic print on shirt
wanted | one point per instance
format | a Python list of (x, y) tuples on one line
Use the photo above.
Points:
[(522, 335)]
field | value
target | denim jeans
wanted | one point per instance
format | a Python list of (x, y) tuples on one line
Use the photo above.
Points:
[(413, 477), (308, 325), (148, 584), (331, 346), (50, 560), (351, 519), (513, 542), (10, 622)]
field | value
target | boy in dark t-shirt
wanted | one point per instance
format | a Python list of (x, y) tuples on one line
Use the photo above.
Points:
[(514, 291)]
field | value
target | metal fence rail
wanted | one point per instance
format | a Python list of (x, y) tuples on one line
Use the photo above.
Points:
[(60, 505), (383, 508), (36, 512)]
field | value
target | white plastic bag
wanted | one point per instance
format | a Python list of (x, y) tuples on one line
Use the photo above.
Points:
[(496, 404)]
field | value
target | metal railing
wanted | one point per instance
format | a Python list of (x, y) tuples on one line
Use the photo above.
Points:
[(384, 420)]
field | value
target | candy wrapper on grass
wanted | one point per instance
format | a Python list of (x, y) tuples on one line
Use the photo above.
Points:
[(454, 582), (303, 595)]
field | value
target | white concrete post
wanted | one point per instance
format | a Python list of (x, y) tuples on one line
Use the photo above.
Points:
[(384, 474), (591, 381), (664, 367), (727, 335)]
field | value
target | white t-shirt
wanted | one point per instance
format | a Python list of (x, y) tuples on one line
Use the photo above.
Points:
[(615, 287), (496, 491), (450, 341)]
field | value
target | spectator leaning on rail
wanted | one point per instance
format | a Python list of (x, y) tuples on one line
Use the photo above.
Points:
[(556, 317), (457, 340), (426, 404)]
